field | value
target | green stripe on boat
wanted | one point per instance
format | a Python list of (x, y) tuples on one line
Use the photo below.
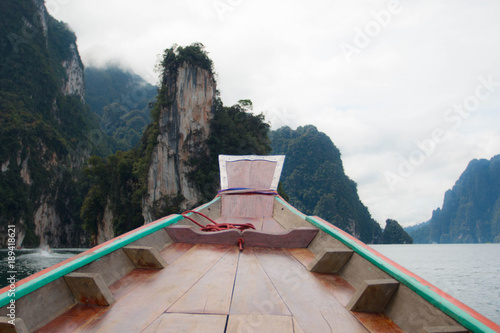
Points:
[(117, 243), (441, 303)]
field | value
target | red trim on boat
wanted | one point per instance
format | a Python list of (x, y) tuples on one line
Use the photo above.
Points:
[(476, 315), (87, 252)]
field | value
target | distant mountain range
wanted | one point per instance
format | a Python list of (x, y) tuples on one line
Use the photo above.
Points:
[(314, 179), (470, 211)]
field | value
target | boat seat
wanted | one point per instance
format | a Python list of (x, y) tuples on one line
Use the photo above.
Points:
[(294, 238), (248, 189)]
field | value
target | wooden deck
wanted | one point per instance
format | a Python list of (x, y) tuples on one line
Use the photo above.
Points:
[(216, 288)]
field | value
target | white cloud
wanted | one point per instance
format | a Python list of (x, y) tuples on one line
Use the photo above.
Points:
[(287, 58)]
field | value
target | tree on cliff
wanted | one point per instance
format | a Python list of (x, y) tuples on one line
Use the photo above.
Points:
[(313, 177), (395, 234), (46, 131), (234, 131), (119, 182)]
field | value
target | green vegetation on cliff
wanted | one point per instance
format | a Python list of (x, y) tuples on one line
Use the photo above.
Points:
[(194, 54), (234, 131), (46, 132), (314, 179), (121, 101), (471, 209), (395, 234), (121, 179)]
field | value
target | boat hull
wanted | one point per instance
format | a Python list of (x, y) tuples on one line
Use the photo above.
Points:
[(212, 285)]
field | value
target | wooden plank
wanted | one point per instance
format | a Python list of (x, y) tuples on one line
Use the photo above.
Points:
[(186, 234), (131, 281), (256, 221), (212, 293), (304, 256), (300, 237), (181, 322), (296, 326), (337, 286), (259, 324), (247, 205), (72, 319), (253, 291), (314, 307), (144, 304), (174, 251), (270, 225), (287, 215), (377, 322), (250, 174)]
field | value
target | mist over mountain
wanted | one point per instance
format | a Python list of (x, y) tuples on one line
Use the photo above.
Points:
[(122, 101), (470, 211), (175, 165)]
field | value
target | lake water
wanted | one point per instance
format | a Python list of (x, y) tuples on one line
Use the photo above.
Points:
[(468, 272), (30, 261)]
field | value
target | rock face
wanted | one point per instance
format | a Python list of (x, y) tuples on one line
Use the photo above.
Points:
[(395, 234), (314, 179), (74, 83), (470, 211), (49, 225), (105, 230), (184, 125), (48, 143)]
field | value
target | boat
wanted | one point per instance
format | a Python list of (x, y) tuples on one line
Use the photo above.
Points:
[(247, 261)]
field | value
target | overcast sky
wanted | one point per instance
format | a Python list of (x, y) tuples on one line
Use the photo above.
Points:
[(409, 91)]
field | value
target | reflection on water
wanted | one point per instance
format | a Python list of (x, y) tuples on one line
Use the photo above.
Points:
[(30, 261)]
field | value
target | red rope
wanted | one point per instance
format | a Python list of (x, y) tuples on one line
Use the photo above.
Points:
[(219, 226), (216, 226)]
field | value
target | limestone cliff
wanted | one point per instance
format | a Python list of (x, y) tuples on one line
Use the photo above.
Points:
[(184, 128), (471, 209), (73, 81), (175, 166), (45, 126), (315, 181)]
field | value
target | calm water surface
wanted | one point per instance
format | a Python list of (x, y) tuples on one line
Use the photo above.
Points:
[(468, 272)]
